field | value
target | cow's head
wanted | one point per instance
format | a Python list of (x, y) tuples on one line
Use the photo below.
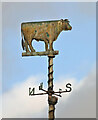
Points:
[(65, 25)]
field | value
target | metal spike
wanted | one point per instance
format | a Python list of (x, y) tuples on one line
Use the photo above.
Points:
[(41, 86)]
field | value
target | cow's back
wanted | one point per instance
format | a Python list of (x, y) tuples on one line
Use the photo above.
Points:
[(41, 30)]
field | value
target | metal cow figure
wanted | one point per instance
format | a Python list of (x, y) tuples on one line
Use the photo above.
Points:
[(46, 31)]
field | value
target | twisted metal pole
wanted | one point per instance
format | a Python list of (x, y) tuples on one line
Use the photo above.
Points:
[(52, 100)]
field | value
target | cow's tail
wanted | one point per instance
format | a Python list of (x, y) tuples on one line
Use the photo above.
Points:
[(22, 42)]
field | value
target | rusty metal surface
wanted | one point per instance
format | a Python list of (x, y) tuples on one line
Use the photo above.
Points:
[(44, 53), (46, 31), (51, 99)]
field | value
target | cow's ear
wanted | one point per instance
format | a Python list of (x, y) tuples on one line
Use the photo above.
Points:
[(61, 20), (66, 20)]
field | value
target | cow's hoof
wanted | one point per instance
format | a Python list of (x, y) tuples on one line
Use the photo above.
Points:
[(50, 50), (47, 50), (33, 51)]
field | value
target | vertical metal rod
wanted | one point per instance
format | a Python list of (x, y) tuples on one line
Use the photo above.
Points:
[(50, 87)]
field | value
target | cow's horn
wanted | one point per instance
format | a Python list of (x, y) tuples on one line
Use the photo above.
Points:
[(67, 20)]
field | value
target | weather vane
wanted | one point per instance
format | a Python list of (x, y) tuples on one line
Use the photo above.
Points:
[(48, 32)]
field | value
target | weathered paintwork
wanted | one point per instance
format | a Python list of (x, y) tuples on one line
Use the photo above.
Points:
[(46, 31)]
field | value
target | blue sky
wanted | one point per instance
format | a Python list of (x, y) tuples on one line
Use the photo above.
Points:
[(75, 62)]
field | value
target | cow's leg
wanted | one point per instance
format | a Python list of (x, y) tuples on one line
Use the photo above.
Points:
[(46, 45), (51, 37), (26, 43), (31, 47), (51, 45), (26, 46)]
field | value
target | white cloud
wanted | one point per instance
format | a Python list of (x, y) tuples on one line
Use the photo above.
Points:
[(18, 103), (81, 102)]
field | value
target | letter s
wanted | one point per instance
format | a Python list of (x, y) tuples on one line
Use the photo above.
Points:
[(68, 86)]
